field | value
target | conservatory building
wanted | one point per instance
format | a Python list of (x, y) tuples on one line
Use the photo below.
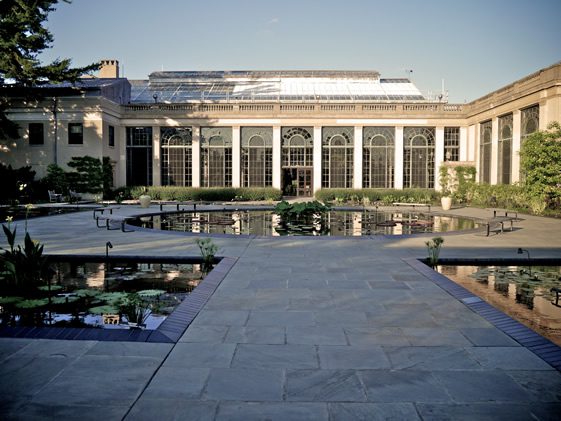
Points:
[(299, 131)]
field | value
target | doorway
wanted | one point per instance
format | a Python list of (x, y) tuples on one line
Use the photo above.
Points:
[(297, 181)]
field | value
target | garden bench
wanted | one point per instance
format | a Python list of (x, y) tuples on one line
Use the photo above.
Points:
[(413, 205), (102, 210), (505, 213), (109, 219), (177, 204), (498, 224), (54, 197), (74, 196)]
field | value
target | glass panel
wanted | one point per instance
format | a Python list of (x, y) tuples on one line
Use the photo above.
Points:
[(177, 165), (485, 151), (451, 143), (216, 157), (139, 156), (378, 157), (418, 155), (505, 149), (297, 147), (337, 157)]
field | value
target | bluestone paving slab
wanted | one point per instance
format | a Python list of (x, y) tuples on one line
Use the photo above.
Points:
[(272, 411), (489, 411), (315, 335), (403, 386), (256, 335), (275, 356), (372, 411), (488, 337), (245, 384), (41, 412), (129, 349), (207, 334), (423, 336), (324, 386), (200, 355), (543, 386), (222, 317), (481, 386), (340, 318), (508, 358), (433, 358), (11, 346), (150, 409), (352, 357), (277, 318), (364, 336), (178, 383)]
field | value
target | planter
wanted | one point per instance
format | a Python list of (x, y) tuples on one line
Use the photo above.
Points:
[(144, 201), (446, 202)]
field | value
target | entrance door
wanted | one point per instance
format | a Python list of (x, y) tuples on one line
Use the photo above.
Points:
[(304, 186)]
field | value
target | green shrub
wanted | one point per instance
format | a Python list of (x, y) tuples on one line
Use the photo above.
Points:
[(386, 196), (211, 194)]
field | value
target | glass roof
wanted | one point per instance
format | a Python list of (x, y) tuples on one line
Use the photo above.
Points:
[(178, 87)]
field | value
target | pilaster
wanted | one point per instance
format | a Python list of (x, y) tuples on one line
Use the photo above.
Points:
[(236, 161), (357, 158), (398, 156), (277, 163), (196, 156), (317, 158)]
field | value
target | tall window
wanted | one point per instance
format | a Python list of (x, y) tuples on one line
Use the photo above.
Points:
[(75, 133), (505, 148), (530, 121), (378, 157), (337, 157), (485, 151), (139, 156), (297, 147), (451, 143), (111, 136), (257, 156), (36, 134), (216, 157), (418, 157), (177, 163)]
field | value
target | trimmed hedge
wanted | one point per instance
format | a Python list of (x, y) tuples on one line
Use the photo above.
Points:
[(207, 194), (386, 196)]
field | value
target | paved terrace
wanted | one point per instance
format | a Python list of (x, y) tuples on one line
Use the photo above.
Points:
[(300, 329)]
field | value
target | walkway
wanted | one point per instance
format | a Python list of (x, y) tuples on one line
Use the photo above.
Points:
[(300, 329)]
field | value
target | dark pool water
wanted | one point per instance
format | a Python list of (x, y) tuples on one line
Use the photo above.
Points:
[(525, 293), (104, 295), (335, 223)]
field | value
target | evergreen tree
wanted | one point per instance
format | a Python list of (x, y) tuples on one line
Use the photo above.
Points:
[(22, 38)]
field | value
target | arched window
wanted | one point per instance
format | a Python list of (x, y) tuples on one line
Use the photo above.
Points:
[(257, 156), (297, 147), (505, 148), (378, 157), (176, 143), (485, 152), (418, 157), (530, 121), (216, 157), (337, 157)]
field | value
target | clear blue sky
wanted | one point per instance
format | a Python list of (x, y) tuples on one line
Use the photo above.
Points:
[(476, 46)]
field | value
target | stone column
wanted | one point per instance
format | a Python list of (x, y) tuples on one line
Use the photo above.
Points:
[(438, 155), (515, 152), (463, 144), (236, 156), (277, 157), (196, 155), (398, 156), (477, 152), (317, 158), (495, 150), (156, 163), (357, 158), (121, 167)]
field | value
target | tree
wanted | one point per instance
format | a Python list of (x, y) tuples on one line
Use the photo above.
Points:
[(540, 161), (22, 38)]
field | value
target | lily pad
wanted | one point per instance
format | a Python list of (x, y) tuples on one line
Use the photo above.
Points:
[(65, 299), (146, 293), (103, 310), (32, 303), (111, 297), (10, 300), (53, 288), (87, 292)]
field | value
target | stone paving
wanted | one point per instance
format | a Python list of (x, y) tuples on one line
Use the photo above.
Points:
[(300, 329)]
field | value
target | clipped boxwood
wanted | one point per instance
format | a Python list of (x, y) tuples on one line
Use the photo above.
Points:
[(209, 194)]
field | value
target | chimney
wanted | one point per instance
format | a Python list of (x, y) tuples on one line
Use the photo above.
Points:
[(109, 69)]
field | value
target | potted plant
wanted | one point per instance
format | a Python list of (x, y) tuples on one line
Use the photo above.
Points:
[(445, 188)]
